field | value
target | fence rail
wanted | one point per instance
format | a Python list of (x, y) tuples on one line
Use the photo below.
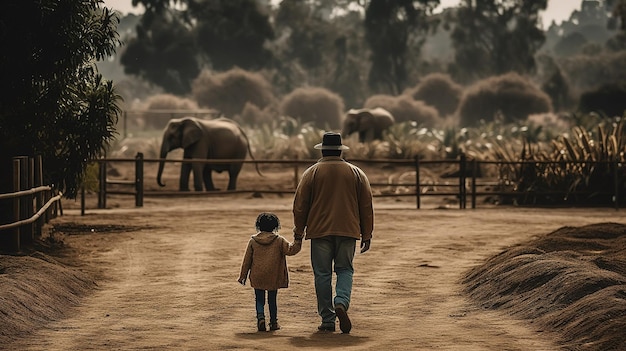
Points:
[(466, 185), (33, 204)]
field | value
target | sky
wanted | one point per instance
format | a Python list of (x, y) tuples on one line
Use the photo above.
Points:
[(558, 10)]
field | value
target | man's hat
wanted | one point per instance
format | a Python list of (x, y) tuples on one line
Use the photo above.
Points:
[(331, 141)]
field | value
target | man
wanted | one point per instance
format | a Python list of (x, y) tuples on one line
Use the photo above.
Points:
[(333, 204)]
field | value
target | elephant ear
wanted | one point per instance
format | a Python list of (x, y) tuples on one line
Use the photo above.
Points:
[(192, 132)]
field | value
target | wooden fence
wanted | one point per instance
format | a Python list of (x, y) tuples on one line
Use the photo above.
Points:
[(465, 185), (34, 204)]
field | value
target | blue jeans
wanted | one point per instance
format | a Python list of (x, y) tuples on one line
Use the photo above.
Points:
[(326, 251), (259, 295)]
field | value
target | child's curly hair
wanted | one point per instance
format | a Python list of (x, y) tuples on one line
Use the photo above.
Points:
[(267, 222)]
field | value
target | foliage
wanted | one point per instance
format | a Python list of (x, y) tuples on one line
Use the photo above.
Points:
[(438, 90), (232, 33), (253, 115), (493, 37), (313, 104), (230, 91), (580, 167), (587, 72), (57, 106), (554, 83), (570, 44), (404, 108), (508, 97), (389, 27), (285, 139), (608, 100), (164, 52), (173, 45)]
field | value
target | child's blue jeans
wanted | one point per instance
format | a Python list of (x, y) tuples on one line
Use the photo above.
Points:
[(271, 301)]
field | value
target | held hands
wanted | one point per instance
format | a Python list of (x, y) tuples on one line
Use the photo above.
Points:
[(365, 245)]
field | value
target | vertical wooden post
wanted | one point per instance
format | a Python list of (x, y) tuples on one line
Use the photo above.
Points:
[(82, 200), (102, 183), (26, 201), (418, 190), (616, 183), (139, 180), (14, 242), (39, 196), (462, 174), (474, 172)]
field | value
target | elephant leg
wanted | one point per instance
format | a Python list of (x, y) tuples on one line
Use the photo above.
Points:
[(233, 173), (207, 176), (185, 171), (197, 176), (362, 136)]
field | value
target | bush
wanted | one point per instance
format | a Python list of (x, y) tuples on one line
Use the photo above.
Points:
[(229, 91), (509, 98), (317, 105), (609, 100), (585, 72), (404, 108), (167, 104), (440, 91), (252, 115)]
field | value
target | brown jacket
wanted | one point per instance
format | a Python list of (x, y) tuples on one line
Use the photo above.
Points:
[(333, 197), (266, 262)]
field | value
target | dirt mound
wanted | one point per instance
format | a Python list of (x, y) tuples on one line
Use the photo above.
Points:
[(571, 281), (36, 289)]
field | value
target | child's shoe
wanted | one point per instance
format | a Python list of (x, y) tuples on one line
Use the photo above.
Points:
[(261, 324), (274, 325)]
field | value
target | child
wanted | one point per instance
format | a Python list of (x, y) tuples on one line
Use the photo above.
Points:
[(265, 260)]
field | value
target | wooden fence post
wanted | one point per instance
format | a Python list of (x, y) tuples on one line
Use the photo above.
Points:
[(616, 183), (139, 180), (26, 201), (462, 174), (102, 183), (38, 181), (14, 242), (474, 164), (417, 183)]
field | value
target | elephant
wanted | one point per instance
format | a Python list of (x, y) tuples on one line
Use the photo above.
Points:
[(369, 123), (220, 138)]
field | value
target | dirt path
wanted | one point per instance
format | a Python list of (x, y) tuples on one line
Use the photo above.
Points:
[(172, 284)]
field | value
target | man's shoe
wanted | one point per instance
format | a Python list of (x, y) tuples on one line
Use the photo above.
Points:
[(261, 324), (274, 326), (327, 327), (344, 321)]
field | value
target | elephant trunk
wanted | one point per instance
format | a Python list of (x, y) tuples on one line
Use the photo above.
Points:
[(164, 150)]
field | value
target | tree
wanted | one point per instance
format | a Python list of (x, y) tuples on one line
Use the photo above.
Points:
[(178, 38), (495, 37), (390, 26), (164, 52), (57, 105)]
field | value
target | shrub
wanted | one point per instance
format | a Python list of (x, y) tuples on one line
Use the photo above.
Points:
[(585, 72), (165, 106), (229, 91), (509, 97), (440, 91), (254, 116), (609, 100), (404, 109), (317, 105)]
